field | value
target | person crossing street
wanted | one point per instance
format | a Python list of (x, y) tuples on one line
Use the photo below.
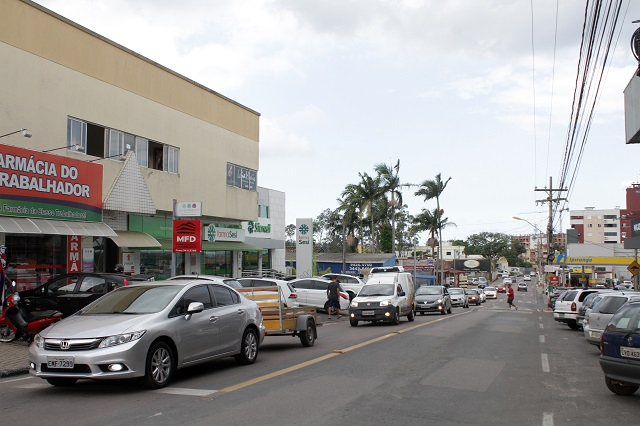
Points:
[(510, 297)]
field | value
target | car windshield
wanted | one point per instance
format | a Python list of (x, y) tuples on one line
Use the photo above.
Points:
[(472, 292), (133, 300), (456, 291), (429, 291), (377, 290), (489, 289)]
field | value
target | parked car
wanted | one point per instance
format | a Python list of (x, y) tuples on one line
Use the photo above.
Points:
[(289, 293), (458, 297), (385, 297), (620, 350), (491, 292), (587, 304), (433, 298), (566, 309), (147, 331), (69, 293), (527, 278), (473, 296), (231, 282), (482, 282), (522, 286), (555, 294), (350, 283), (602, 312), (313, 292)]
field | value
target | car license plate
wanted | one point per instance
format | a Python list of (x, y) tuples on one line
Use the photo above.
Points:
[(60, 362), (368, 313), (595, 334), (560, 315), (630, 352)]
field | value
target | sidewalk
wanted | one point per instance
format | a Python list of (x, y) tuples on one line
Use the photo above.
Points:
[(13, 358)]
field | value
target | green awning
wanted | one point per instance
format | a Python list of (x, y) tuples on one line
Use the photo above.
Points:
[(215, 246)]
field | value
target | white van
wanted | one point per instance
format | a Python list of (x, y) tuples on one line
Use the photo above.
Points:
[(385, 297)]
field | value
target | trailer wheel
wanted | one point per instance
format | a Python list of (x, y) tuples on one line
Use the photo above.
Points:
[(308, 337)]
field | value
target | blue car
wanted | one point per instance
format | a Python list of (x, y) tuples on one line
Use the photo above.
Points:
[(620, 350)]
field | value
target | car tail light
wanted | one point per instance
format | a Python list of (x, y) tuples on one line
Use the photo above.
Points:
[(293, 296), (344, 296), (573, 306), (125, 282)]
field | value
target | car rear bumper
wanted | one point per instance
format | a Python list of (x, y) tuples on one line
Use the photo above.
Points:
[(622, 370), (565, 317), (592, 336)]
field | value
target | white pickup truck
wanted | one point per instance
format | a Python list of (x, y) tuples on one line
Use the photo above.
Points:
[(566, 309)]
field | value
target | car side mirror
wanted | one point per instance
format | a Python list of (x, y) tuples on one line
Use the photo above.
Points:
[(401, 293), (194, 308)]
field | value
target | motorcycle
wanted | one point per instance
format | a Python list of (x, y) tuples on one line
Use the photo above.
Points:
[(16, 322)]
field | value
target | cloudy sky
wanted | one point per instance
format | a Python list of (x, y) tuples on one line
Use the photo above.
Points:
[(477, 90)]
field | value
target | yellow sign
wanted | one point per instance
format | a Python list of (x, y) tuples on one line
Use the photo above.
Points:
[(634, 268), (563, 259)]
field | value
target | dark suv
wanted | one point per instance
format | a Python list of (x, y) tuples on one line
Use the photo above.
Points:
[(69, 293), (620, 350)]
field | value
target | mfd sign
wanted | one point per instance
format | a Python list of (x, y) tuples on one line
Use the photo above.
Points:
[(187, 237)]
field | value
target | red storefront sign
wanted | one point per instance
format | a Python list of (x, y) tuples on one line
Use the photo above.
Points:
[(74, 254), (187, 236), (554, 280)]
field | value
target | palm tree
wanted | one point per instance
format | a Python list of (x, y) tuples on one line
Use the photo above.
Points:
[(433, 189), (364, 195), (391, 184)]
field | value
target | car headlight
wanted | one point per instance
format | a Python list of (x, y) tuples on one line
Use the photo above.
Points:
[(120, 339), (354, 304), (38, 341), (384, 303), (439, 300)]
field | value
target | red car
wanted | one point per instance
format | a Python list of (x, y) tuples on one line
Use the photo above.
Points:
[(501, 289), (474, 296)]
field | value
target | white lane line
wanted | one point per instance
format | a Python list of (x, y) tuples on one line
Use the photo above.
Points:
[(541, 338), (540, 318), (545, 363), (541, 325), (16, 380), (547, 419), (188, 392)]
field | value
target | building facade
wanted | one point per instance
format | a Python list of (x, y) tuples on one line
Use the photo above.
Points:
[(142, 140)]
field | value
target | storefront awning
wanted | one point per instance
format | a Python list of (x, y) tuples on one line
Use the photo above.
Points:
[(135, 239), (24, 225), (215, 246)]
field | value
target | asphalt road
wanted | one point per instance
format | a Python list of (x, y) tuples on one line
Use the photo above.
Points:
[(483, 365)]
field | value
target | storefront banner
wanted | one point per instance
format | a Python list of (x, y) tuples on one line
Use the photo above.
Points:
[(563, 259), (128, 262), (258, 229), (187, 237), (74, 253), (46, 186), (188, 209), (87, 260), (304, 248), (223, 232)]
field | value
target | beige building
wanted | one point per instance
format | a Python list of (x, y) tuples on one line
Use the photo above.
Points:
[(157, 135)]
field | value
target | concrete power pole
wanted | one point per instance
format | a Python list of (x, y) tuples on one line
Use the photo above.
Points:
[(550, 200)]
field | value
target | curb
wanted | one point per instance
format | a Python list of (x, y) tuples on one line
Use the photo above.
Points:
[(14, 372)]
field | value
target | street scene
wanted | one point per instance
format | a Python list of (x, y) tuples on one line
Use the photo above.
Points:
[(318, 213)]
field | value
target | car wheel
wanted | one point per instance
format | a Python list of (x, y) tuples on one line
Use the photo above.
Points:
[(62, 382), (411, 315), (620, 389), (159, 367), (308, 337), (7, 334), (573, 326), (396, 317), (249, 348), (354, 323)]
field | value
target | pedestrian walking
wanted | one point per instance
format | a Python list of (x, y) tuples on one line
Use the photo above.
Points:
[(510, 297), (333, 295)]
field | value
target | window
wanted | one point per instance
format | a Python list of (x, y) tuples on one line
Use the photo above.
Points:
[(170, 159), (263, 211), (610, 225), (142, 151), (156, 154), (305, 284), (196, 294), (115, 144), (76, 133), (610, 234), (222, 295), (320, 285), (610, 216)]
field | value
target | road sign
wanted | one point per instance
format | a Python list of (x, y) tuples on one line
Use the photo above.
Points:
[(554, 280), (634, 268)]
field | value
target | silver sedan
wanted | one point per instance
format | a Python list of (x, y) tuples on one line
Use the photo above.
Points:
[(148, 331)]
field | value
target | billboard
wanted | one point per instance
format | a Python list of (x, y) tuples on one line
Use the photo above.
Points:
[(472, 265), (187, 236), (45, 186)]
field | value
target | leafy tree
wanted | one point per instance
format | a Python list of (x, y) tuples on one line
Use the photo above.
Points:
[(290, 233), (491, 245), (386, 236), (458, 243)]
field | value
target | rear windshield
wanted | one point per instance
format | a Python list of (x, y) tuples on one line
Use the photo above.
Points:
[(625, 320), (489, 289), (610, 305)]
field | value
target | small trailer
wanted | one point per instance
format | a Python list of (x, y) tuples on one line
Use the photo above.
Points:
[(280, 320)]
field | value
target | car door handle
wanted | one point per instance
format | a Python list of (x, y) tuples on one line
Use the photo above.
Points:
[(240, 311), (213, 319)]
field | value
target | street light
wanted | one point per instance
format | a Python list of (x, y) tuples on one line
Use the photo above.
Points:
[(415, 243), (74, 147), (25, 133)]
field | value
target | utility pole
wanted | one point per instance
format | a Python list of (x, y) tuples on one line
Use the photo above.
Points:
[(550, 200)]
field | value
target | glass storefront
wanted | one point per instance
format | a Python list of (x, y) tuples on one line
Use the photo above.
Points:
[(32, 260), (217, 263), (158, 263), (250, 260)]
